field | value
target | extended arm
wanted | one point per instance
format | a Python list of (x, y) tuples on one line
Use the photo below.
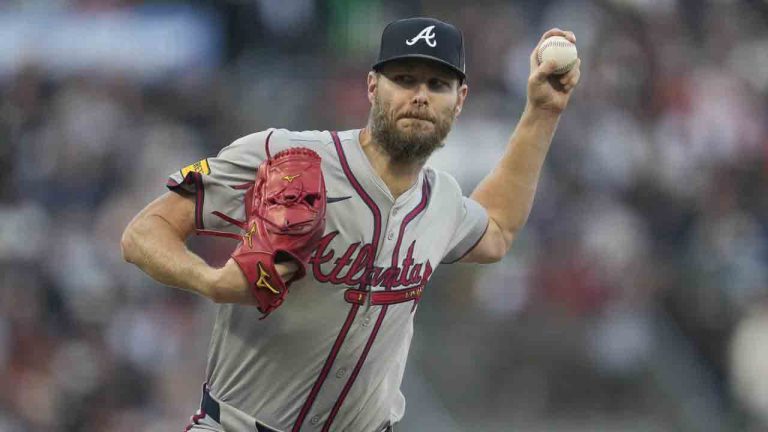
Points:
[(507, 192)]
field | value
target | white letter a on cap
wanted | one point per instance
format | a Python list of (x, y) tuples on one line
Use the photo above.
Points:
[(427, 34)]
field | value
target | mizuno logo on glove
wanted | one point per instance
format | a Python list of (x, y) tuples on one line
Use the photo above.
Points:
[(263, 281)]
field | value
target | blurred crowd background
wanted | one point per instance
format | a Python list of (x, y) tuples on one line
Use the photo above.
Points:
[(635, 300)]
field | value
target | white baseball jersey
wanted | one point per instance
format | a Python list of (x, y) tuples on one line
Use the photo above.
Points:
[(332, 356)]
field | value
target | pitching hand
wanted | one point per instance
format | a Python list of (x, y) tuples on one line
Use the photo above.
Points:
[(547, 91)]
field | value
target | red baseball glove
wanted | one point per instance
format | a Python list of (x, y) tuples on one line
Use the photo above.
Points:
[(285, 219)]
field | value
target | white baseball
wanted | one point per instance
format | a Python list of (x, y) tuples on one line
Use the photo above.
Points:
[(559, 49)]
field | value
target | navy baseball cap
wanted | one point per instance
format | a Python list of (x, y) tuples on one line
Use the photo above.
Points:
[(422, 37)]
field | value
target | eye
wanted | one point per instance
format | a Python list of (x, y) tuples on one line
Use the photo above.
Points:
[(438, 84), (404, 79)]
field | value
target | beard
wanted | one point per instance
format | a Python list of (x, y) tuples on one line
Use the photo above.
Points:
[(415, 144)]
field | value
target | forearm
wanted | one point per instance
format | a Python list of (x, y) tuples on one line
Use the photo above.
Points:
[(507, 193), (152, 245)]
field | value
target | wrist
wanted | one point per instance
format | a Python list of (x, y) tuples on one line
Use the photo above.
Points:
[(535, 129), (538, 114)]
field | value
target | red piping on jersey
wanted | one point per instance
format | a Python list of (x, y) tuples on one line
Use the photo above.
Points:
[(200, 201), (196, 179), (326, 367), (195, 419), (366, 198), (353, 310), (358, 366), (425, 191), (395, 255)]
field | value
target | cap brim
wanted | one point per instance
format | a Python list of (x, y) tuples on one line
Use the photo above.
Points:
[(461, 74)]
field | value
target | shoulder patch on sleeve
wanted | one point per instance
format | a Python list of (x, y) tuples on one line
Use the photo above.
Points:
[(200, 166)]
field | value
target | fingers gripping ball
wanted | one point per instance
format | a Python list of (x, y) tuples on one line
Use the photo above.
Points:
[(285, 219), (561, 51)]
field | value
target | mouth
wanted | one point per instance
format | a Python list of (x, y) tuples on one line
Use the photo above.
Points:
[(420, 118)]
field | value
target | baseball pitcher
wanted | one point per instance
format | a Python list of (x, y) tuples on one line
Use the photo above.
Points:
[(337, 234)]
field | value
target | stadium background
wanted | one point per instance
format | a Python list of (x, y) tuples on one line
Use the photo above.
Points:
[(635, 300)]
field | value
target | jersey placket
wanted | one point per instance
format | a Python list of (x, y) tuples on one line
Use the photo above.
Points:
[(401, 225), (348, 353), (314, 417), (360, 338)]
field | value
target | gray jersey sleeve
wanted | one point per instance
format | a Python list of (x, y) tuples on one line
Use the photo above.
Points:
[(471, 222), (219, 183)]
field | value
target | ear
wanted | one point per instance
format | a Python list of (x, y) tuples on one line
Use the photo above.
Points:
[(373, 82), (460, 98)]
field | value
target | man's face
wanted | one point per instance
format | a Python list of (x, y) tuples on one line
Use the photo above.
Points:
[(414, 104)]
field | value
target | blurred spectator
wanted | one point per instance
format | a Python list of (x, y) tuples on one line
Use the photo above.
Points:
[(646, 250)]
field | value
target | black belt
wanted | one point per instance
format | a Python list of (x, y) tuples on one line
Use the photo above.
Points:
[(210, 407)]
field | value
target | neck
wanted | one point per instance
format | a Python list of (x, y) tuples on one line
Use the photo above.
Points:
[(399, 177)]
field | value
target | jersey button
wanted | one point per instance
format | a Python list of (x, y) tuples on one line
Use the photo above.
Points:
[(367, 321), (315, 420), (391, 235), (341, 373)]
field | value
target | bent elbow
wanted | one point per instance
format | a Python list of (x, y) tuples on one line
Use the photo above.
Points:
[(494, 253), (493, 246), (128, 243), (497, 254)]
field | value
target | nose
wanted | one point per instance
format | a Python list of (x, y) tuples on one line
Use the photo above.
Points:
[(421, 97)]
